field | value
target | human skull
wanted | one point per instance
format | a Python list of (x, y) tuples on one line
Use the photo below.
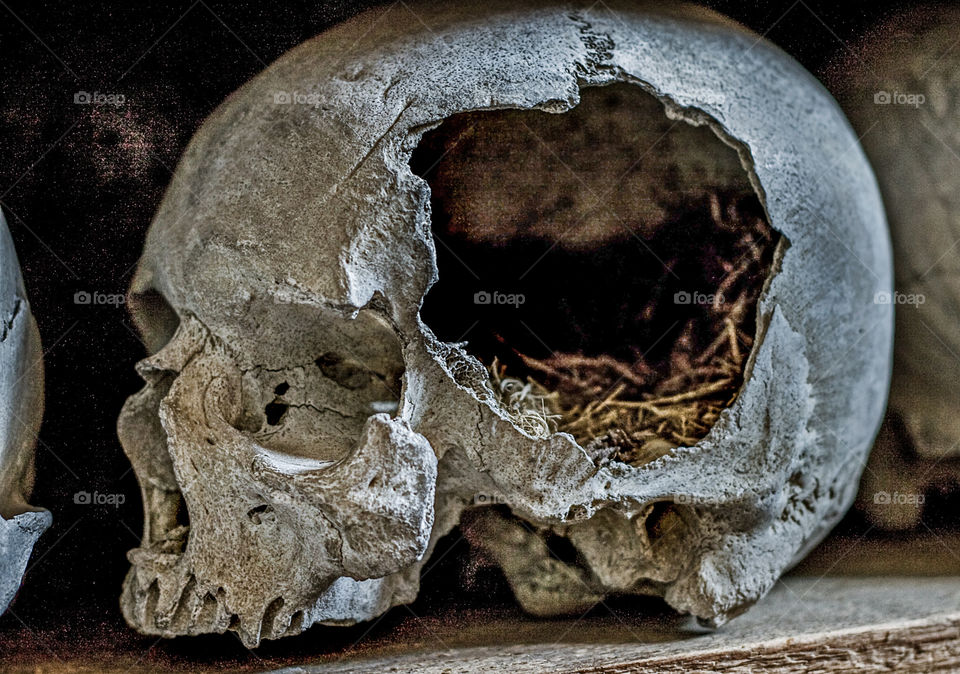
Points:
[(900, 86), (321, 438), (21, 408)]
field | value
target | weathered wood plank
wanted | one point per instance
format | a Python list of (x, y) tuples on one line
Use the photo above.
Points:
[(805, 624)]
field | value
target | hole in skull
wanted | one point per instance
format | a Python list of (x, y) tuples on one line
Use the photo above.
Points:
[(660, 520), (274, 412), (562, 550), (260, 513), (275, 409), (604, 264), (183, 516)]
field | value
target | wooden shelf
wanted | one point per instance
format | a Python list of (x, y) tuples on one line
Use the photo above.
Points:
[(855, 603), (828, 624)]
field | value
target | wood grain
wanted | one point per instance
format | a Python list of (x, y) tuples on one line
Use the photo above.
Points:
[(805, 624)]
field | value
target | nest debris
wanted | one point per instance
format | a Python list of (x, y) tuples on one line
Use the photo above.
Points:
[(636, 412)]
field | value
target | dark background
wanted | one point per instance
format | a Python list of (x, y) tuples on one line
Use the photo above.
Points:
[(79, 185)]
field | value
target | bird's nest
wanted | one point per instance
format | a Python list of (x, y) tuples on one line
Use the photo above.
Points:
[(635, 412)]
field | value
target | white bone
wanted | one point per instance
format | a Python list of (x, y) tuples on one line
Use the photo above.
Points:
[(21, 407), (294, 248)]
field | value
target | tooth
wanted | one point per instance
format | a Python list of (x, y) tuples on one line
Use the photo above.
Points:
[(223, 618), (187, 607), (171, 590), (249, 639), (149, 604), (295, 624), (204, 614)]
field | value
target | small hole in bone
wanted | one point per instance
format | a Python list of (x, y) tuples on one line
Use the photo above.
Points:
[(660, 520), (562, 550), (258, 514), (314, 401), (604, 264), (274, 412), (183, 515)]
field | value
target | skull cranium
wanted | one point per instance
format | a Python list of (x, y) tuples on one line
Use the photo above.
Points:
[(321, 437)]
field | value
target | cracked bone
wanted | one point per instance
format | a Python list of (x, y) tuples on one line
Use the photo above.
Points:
[(305, 522), (21, 408), (280, 290)]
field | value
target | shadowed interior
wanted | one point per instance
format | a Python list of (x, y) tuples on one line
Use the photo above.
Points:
[(603, 263)]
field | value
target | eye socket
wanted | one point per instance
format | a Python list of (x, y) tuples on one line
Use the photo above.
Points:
[(604, 264), (316, 406)]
